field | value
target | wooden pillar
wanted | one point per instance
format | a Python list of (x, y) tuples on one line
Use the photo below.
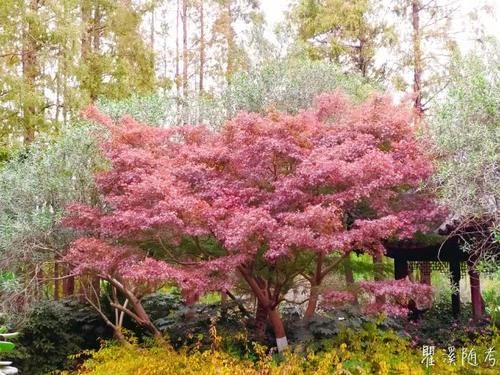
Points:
[(475, 292), (378, 268), (425, 272), (455, 286), (68, 283), (400, 268), (57, 281)]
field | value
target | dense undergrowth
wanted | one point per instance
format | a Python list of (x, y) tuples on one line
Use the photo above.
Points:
[(366, 351), (214, 340)]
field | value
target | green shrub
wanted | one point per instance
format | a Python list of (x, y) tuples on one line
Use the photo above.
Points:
[(53, 331)]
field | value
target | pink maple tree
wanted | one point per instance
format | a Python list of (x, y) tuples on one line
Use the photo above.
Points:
[(264, 199)]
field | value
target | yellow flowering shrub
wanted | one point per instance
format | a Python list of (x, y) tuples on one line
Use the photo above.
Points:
[(361, 353)]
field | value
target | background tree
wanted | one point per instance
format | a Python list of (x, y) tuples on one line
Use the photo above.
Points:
[(288, 85), (124, 68), (426, 47), (35, 187), (465, 130), (350, 33), (230, 56), (56, 56)]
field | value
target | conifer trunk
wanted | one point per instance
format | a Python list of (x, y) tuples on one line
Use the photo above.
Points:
[(185, 57), (177, 54), (30, 71), (417, 57), (202, 48)]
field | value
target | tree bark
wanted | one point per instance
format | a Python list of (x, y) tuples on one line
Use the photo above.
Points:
[(261, 293), (137, 312), (425, 273), (312, 303), (279, 329), (202, 48), (185, 57), (417, 57), (85, 11), (231, 43), (315, 282), (261, 317), (30, 71), (177, 53)]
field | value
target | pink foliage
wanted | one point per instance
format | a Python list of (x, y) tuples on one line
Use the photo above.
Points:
[(336, 297), (396, 295), (338, 177), (127, 264)]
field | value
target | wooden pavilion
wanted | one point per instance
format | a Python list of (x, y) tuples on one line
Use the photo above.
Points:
[(446, 250)]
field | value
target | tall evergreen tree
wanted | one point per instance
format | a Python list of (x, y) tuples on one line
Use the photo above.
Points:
[(429, 46), (347, 32), (56, 56)]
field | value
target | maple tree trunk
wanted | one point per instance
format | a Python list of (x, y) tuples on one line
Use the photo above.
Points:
[(96, 35), (312, 303), (137, 311), (349, 276), (260, 321), (144, 319), (85, 39), (90, 288), (279, 329), (223, 303), (96, 285), (261, 293), (118, 335), (40, 282)]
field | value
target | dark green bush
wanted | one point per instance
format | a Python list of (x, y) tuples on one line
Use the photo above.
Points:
[(53, 331)]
